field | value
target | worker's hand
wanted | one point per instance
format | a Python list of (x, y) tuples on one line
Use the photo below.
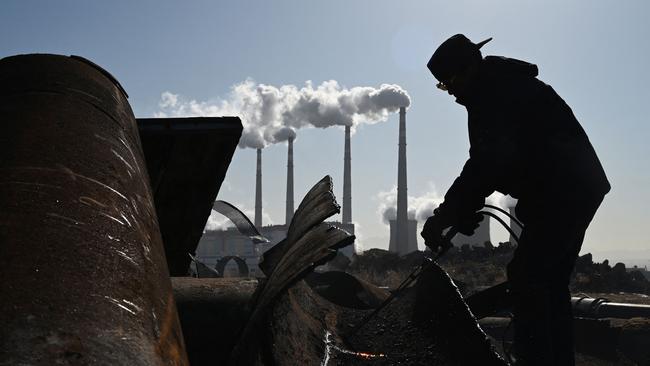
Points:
[(432, 233), (470, 223)]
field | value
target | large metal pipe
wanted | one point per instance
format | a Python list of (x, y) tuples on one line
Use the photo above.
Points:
[(496, 299), (347, 180), (402, 198), (258, 190), (602, 308), (83, 276), (290, 208)]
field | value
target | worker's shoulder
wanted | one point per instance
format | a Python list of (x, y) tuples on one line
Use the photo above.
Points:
[(520, 89)]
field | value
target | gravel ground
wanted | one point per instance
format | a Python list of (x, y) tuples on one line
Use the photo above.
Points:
[(392, 337)]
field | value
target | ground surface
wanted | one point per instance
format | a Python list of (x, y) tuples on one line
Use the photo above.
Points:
[(428, 324), (392, 338)]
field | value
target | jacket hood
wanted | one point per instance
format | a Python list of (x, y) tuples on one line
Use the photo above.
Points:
[(499, 65)]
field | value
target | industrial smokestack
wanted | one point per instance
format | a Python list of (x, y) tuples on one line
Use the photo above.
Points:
[(402, 198), (347, 180), (290, 210), (258, 191)]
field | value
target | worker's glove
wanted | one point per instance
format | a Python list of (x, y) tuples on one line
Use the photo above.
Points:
[(432, 232), (469, 223)]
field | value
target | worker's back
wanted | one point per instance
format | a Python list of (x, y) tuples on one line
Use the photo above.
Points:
[(529, 134)]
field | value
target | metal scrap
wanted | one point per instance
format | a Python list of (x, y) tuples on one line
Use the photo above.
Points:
[(309, 243), (241, 221)]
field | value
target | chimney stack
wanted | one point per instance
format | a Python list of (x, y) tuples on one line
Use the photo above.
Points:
[(258, 191), (290, 210), (402, 240), (347, 180)]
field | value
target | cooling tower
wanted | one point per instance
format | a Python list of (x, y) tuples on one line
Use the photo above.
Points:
[(258, 191), (412, 234), (290, 209), (480, 236), (347, 180)]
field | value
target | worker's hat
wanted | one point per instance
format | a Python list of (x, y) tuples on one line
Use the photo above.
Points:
[(453, 56)]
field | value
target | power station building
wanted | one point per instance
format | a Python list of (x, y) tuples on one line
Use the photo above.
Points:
[(481, 235), (217, 244)]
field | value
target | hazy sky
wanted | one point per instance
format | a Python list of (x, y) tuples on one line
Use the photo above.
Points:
[(594, 53)]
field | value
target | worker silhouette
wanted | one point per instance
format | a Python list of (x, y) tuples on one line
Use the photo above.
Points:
[(525, 142)]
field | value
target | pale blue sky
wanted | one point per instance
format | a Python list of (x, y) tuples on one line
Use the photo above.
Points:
[(594, 53)]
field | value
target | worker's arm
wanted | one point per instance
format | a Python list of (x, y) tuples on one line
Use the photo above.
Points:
[(493, 161), (462, 201)]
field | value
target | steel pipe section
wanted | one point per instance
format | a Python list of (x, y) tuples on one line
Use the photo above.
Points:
[(602, 308), (83, 277)]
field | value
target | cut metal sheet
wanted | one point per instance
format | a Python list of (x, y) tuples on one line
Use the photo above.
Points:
[(319, 204), (316, 247), (187, 160), (241, 221), (309, 243)]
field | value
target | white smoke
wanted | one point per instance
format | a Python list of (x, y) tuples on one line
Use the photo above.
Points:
[(272, 114), (282, 134), (329, 104), (359, 238), (500, 200), (420, 207)]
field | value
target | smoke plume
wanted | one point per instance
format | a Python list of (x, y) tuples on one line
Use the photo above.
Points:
[(420, 207), (283, 134), (272, 114)]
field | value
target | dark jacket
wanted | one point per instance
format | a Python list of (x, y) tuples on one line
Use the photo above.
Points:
[(525, 141)]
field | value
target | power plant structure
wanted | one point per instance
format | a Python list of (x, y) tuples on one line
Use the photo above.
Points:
[(403, 230), (346, 217), (217, 244), (412, 235), (289, 209), (346, 214), (480, 236), (403, 234), (258, 191)]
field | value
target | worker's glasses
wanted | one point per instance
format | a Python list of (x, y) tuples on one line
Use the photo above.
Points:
[(445, 86)]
